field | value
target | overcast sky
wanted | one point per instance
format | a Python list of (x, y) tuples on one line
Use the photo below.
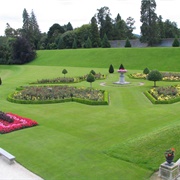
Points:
[(79, 12)]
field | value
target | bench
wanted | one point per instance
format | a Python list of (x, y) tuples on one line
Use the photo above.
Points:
[(7, 155)]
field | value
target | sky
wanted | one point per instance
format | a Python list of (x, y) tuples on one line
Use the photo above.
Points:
[(79, 12)]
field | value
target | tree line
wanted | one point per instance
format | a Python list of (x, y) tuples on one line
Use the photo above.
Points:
[(18, 45)]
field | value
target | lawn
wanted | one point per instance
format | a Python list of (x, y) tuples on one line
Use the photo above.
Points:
[(123, 140)]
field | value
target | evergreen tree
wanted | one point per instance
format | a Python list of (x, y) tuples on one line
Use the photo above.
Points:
[(108, 27), (146, 71), (127, 44), (149, 29), (105, 42), (175, 42), (101, 17), (111, 69), (69, 27), (34, 28), (92, 72), (88, 43), (161, 27), (119, 28), (96, 41)]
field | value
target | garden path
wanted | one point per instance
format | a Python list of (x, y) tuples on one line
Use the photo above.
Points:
[(15, 171)]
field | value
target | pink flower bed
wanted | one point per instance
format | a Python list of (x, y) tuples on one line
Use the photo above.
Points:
[(18, 123)]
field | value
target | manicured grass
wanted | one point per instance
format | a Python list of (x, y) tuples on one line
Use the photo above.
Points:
[(76, 141), (162, 59)]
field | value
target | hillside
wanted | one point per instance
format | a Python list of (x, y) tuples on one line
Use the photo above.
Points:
[(163, 59)]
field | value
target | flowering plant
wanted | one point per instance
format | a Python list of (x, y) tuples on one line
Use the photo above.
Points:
[(169, 152)]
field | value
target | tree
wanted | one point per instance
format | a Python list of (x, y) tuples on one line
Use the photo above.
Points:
[(88, 43), (111, 69), (10, 32), (0, 81), (105, 43), (154, 75), (64, 71), (92, 72), (146, 71), (101, 17), (35, 31), (96, 41), (130, 27), (74, 46), (149, 30), (22, 51), (90, 79), (69, 27), (120, 28), (170, 29), (54, 31), (127, 44), (108, 27), (175, 42)]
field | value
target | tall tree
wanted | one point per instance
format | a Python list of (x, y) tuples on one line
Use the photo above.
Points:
[(149, 29), (26, 25), (161, 27), (101, 17), (108, 27), (95, 39), (105, 42), (34, 28), (119, 30), (130, 27)]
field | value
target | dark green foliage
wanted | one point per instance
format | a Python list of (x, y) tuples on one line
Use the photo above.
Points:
[(88, 43), (90, 78), (69, 27), (93, 72), (111, 69), (127, 44), (95, 39), (105, 43), (22, 51), (149, 29), (175, 42), (61, 43), (146, 71), (121, 66), (154, 75), (74, 44), (64, 71)]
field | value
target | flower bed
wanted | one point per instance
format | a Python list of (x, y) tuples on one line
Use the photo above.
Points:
[(166, 76), (54, 94), (57, 80), (164, 95), (18, 123)]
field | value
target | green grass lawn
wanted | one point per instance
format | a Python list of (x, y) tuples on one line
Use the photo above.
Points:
[(124, 140)]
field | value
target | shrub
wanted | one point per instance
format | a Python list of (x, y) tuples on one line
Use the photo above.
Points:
[(146, 71), (111, 69), (154, 75)]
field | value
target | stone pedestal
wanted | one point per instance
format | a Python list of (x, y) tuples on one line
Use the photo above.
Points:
[(168, 172)]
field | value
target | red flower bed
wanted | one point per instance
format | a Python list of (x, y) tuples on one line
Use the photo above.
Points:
[(18, 123)]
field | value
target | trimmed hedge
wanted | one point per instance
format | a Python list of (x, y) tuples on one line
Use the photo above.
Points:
[(154, 101), (83, 101)]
